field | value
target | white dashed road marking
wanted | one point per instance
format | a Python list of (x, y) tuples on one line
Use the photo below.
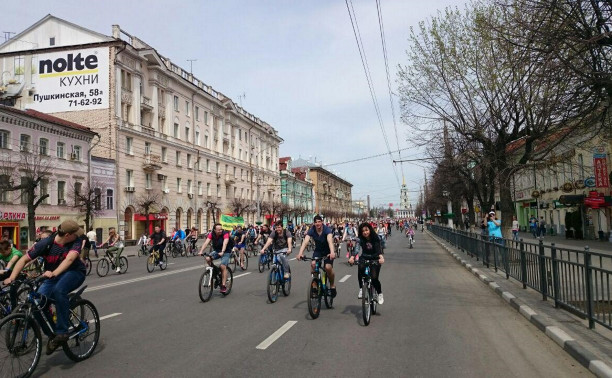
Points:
[(344, 278), (276, 335)]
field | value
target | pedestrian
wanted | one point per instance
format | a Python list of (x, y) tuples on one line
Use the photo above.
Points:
[(542, 227), (533, 226), (515, 228), (494, 226), (91, 236)]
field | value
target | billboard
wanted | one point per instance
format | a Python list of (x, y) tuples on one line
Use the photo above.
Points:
[(72, 80)]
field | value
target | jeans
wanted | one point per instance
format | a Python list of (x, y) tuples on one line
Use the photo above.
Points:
[(58, 288), (92, 245), (224, 259), (281, 255), (515, 235)]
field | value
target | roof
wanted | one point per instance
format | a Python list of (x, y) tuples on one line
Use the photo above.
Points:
[(51, 17), (46, 117), (284, 159)]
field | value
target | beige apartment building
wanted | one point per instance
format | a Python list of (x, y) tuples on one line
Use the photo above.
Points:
[(179, 145)]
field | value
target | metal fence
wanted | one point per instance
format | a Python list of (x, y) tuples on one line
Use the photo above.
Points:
[(577, 280)]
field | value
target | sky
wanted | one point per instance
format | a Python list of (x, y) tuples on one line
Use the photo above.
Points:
[(294, 64)]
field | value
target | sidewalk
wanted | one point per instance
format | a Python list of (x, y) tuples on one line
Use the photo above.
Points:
[(561, 241), (592, 348)]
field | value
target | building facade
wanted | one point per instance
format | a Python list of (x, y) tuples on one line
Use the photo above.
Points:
[(296, 191), (37, 146), (332, 194), (178, 144)]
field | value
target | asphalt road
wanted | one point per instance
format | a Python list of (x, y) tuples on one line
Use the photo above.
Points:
[(437, 321)]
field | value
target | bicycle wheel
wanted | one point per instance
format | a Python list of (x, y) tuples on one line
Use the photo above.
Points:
[(273, 285), (151, 263), (175, 252), (84, 330), (164, 260), (245, 261), (374, 302), (287, 287), (20, 346), (140, 252), (262, 263), (314, 298), (205, 286), (329, 300), (233, 261), (229, 282), (87, 266), (123, 264), (103, 267), (365, 303)]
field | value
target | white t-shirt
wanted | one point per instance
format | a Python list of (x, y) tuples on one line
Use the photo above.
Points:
[(515, 225), (91, 235)]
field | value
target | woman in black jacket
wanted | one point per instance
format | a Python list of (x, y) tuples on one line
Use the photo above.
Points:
[(370, 250)]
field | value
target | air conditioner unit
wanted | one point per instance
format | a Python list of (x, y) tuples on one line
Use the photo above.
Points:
[(130, 189), (190, 195), (166, 191), (73, 156)]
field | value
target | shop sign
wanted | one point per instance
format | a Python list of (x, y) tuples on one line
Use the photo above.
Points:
[(558, 205), (157, 216), (567, 187), (71, 80), (47, 217), (535, 194), (595, 200), (589, 182), (12, 216), (520, 195), (600, 165)]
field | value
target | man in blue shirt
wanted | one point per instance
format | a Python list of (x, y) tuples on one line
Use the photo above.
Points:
[(180, 235), (324, 246)]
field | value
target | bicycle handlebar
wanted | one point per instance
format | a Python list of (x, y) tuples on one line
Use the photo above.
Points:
[(306, 258)]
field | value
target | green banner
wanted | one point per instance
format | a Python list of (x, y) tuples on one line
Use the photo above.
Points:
[(228, 222)]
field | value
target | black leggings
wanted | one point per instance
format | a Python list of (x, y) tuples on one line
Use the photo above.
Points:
[(374, 272)]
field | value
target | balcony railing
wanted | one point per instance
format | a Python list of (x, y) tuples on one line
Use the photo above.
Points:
[(151, 162), (146, 103)]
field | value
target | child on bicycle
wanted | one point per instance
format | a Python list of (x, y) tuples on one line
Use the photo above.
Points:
[(371, 249)]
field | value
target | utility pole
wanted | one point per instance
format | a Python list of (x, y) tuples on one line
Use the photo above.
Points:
[(191, 65)]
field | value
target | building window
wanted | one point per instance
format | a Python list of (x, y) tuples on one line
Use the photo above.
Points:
[(178, 158), (187, 135), (76, 152), (178, 185), (187, 110), (109, 199), (164, 155), (147, 148), (97, 199), (218, 168), (165, 184), (218, 190), (52, 41), (4, 139), (129, 178), (24, 143), (129, 145), (189, 165), (197, 115), (176, 130), (126, 80), (206, 118), (199, 164), (208, 165), (189, 187), (24, 192), (197, 137), (77, 192), (176, 103), (199, 188), (43, 146), (208, 189), (44, 190), (148, 181), (61, 192), (206, 141), (19, 69)]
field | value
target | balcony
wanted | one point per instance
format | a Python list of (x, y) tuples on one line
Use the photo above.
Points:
[(161, 109), (226, 138), (151, 162), (126, 96), (229, 179), (146, 103)]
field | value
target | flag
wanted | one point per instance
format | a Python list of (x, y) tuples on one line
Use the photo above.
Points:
[(228, 222)]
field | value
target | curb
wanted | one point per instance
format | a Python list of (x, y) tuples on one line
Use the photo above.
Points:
[(555, 333)]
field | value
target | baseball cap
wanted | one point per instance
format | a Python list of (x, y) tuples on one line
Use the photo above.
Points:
[(71, 227)]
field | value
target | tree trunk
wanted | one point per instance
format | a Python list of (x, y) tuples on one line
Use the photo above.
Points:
[(506, 205)]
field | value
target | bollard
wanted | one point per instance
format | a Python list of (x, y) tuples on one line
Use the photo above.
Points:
[(588, 284), (523, 265), (542, 262), (555, 273)]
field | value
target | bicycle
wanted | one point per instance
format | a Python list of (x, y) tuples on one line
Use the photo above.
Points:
[(410, 240), (108, 261), (264, 260), (250, 247), (192, 248), (277, 280), (143, 251), (21, 332), (12, 296), (176, 248), (318, 288), (369, 298), (235, 259), (154, 256), (212, 278)]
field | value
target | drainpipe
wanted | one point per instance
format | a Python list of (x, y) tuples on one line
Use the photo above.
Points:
[(91, 147)]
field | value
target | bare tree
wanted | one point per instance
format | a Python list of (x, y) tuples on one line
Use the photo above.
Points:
[(239, 206), (146, 203), (88, 200), (214, 207), (27, 172), (283, 210)]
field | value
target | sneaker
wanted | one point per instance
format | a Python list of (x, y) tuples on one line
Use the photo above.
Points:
[(55, 343), (223, 289), (380, 300), (360, 295), (333, 292), (287, 275), (118, 270), (161, 263)]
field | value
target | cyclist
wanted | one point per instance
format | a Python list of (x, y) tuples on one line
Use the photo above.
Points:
[(143, 242), (115, 244), (178, 235), (350, 233), (221, 242), (264, 233), (281, 241), (382, 234), (239, 238), (9, 254), (410, 233), (192, 238), (371, 248), (158, 238), (324, 246), (65, 273)]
